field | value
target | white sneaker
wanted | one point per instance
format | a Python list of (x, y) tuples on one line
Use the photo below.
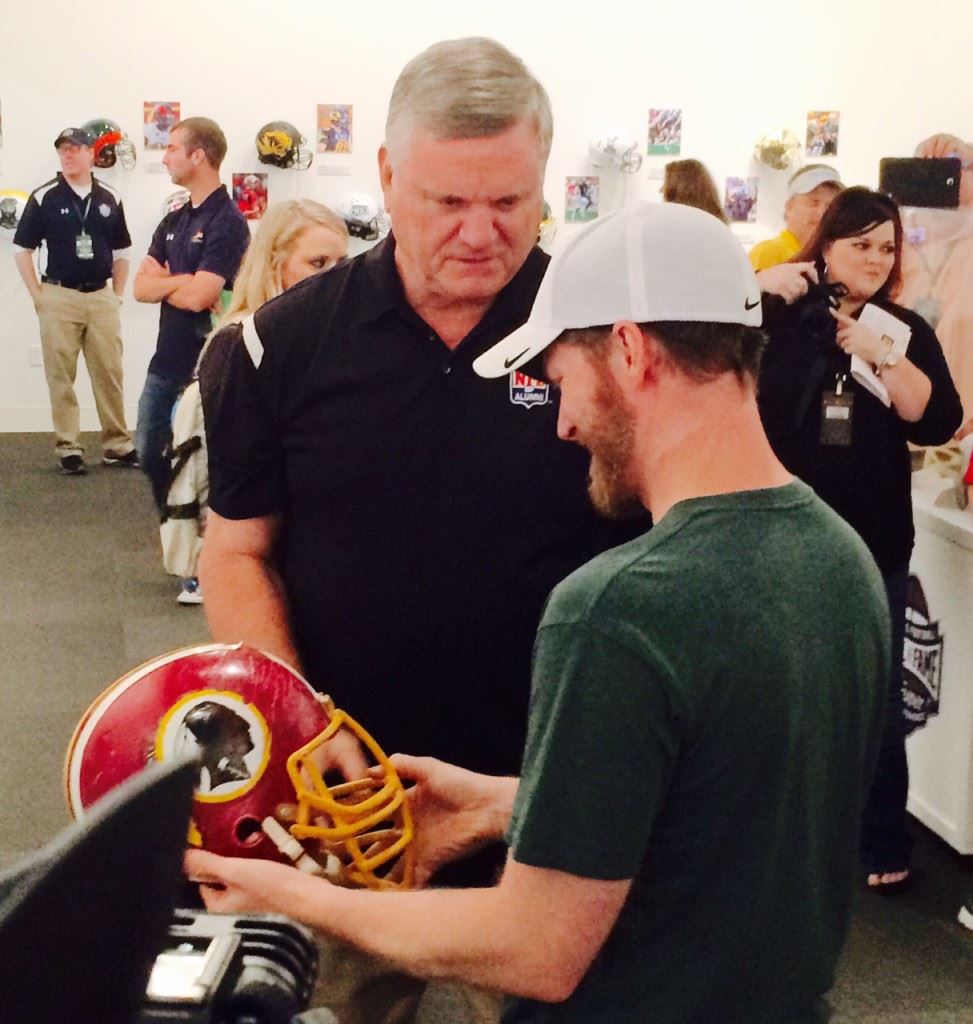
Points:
[(965, 915), (190, 592)]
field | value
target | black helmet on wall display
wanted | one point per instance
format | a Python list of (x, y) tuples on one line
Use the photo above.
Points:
[(280, 144), (110, 143)]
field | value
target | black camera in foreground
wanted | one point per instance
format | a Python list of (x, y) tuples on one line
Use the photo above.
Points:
[(228, 969), (83, 920)]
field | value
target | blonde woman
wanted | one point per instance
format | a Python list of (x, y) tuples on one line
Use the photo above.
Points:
[(296, 238)]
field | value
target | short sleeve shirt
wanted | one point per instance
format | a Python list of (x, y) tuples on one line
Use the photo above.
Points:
[(774, 250), (211, 237), (56, 215), (426, 512), (704, 718)]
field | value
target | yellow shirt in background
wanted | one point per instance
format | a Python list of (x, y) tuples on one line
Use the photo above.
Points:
[(775, 250)]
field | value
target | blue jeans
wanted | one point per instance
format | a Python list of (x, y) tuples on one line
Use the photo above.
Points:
[(153, 433), (886, 844)]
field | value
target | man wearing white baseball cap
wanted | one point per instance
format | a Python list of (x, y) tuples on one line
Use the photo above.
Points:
[(704, 711), (809, 193)]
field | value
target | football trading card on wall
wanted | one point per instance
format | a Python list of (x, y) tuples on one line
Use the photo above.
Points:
[(741, 199), (580, 199), (665, 132), (158, 119), (250, 194), (822, 132), (334, 128)]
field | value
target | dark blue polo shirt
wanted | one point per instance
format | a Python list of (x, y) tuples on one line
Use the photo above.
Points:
[(212, 237), (56, 214)]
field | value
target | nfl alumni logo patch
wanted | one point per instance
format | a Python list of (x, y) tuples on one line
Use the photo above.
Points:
[(528, 391), (104, 209)]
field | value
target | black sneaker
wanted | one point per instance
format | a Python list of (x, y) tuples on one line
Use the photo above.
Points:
[(129, 459), (73, 465)]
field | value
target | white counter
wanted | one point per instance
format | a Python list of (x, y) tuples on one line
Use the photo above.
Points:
[(941, 654)]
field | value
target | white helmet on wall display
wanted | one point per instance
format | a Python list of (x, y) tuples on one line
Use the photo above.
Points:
[(363, 216), (173, 202), (615, 149)]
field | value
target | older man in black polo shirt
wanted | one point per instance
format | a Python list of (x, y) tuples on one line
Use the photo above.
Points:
[(83, 224), (380, 516)]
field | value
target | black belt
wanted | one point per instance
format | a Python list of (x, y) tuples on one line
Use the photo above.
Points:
[(91, 286)]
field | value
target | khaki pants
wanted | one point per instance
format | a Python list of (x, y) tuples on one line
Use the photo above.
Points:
[(361, 989), (72, 322)]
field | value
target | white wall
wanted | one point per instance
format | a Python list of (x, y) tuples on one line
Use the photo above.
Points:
[(895, 71)]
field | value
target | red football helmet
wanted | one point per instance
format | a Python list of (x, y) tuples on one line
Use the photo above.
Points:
[(262, 736)]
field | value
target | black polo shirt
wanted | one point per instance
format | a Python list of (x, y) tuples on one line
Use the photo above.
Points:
[(57, 215), (213, 237), (427, 512)]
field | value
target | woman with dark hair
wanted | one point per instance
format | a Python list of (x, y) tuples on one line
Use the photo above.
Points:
[(842, 425), (689, 183)]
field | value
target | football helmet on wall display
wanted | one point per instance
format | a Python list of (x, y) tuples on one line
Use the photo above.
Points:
[(12, 203), (615, 149), (280, 144), (265, 741), (779, 150), (110, 144), (363, 217), (174, 201)]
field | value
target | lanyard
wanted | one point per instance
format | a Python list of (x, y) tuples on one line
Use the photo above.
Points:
[(83, 214)]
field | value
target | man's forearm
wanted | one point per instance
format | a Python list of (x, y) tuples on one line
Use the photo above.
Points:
[(152, 288), (119, 276), (24, 261), (478, 936), (245, 603), (192, 295)]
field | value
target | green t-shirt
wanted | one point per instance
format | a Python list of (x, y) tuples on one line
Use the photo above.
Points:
[(705, 712)]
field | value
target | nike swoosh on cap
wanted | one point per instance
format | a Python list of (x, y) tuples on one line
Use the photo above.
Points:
[(507, 363)]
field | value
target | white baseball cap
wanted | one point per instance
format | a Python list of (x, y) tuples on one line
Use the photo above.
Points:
[(647, 262), (809, 177)]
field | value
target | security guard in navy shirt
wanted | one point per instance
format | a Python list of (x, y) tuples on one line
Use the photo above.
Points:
[(82, 222)]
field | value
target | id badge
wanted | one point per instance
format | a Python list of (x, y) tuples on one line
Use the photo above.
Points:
[(83, 248), (836, 412)]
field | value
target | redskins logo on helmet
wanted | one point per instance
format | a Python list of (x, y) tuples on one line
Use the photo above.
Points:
[(110, 144), (265, 741), (280, 144)]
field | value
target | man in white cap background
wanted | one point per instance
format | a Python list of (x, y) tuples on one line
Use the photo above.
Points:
[(704, 715), (809, 193)]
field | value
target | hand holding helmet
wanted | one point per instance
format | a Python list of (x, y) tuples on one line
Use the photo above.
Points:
[(261, 734)]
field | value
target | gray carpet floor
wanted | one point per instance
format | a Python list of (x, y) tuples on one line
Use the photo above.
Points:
[(84, 598)]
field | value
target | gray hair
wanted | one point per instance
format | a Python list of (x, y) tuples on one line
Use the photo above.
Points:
[(467, 89)]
